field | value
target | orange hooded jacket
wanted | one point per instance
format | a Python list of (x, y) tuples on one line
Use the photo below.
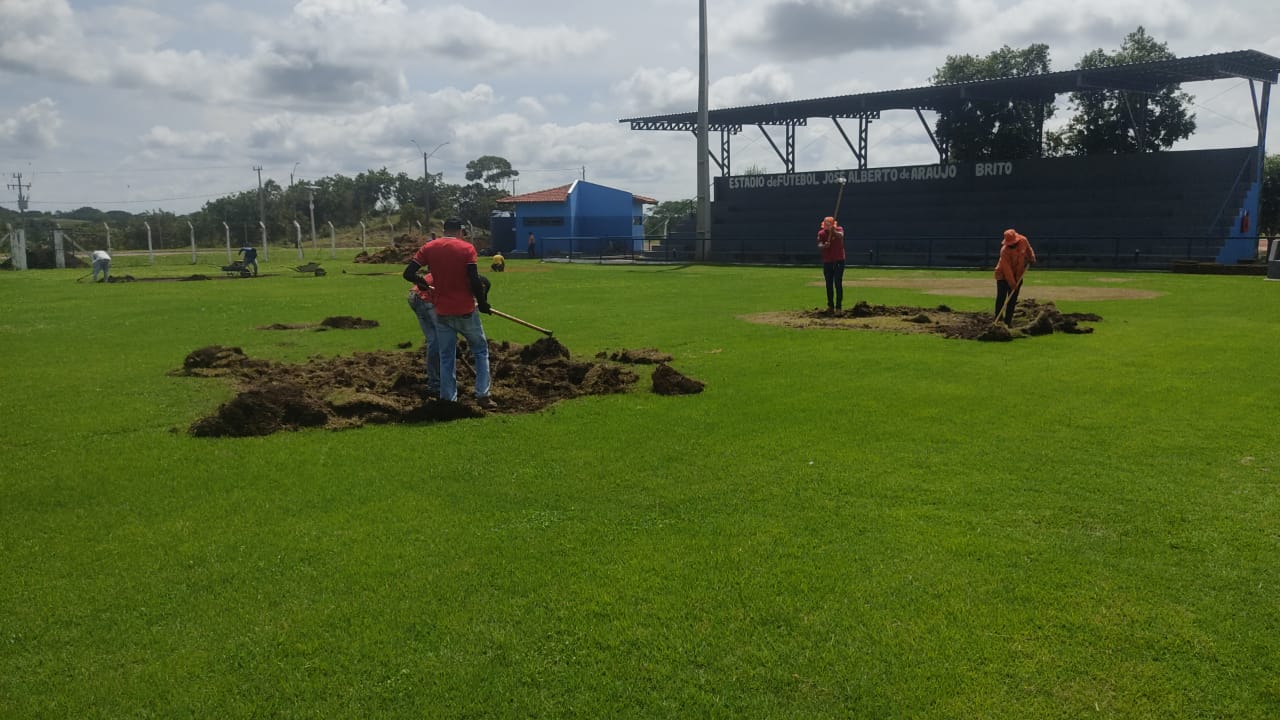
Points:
[(1015, 255)]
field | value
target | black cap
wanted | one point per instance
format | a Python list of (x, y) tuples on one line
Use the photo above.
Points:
[(453, 223)]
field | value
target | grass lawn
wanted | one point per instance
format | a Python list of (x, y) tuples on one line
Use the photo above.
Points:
[(842, 525)]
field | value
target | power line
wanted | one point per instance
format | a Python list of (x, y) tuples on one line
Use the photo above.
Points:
[(135, 202)]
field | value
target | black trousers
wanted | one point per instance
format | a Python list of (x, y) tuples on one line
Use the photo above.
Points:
[(833, 273), (1002, 292)]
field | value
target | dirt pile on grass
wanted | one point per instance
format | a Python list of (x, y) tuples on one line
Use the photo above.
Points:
[(1031, 318), (400, 252), (669, 381), (389, 387), (336, 322), (642, 356)]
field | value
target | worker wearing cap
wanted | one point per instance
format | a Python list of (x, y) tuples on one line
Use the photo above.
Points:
[(1015, 256), (499, 263), (460, 296), (831, 242)]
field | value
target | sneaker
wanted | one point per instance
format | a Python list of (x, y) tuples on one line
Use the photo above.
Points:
[(487, 403)]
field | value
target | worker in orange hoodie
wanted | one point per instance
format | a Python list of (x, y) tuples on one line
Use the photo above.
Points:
[(1015, 255)]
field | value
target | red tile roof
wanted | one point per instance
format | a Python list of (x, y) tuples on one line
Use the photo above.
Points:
[(558, 194)]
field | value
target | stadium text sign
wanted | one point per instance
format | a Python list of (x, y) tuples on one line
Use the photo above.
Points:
[(869, 175)]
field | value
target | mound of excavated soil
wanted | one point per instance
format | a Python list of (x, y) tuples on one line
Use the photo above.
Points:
[(668, 381), (642, 356), (389, 387), (1030, 318), (400, 252)]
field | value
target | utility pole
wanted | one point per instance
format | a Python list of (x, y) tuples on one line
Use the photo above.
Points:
[(262, 208), (311, 202), (426, 179), (21, 188), (18, 243)]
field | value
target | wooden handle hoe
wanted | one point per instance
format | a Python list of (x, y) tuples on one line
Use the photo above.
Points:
[(517, 320)]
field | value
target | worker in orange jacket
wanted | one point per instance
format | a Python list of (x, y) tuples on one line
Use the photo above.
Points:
[(1015, 255)]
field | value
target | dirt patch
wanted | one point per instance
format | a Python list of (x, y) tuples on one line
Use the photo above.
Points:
[(1030, 319), (337, 322), (668, 381), (642, 356), (389, 387), (977, 287), (399, 252)]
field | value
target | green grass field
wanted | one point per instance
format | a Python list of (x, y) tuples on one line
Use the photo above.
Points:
[(843, 525)]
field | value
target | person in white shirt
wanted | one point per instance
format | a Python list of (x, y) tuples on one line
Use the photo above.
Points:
[(101, 264)]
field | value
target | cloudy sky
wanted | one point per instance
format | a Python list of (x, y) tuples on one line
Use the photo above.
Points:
[(155, 104)]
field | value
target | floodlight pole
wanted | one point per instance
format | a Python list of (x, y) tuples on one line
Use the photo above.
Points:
[(704, 169), (227, 228)]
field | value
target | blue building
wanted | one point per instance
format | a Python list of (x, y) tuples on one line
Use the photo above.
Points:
[(580, 217)]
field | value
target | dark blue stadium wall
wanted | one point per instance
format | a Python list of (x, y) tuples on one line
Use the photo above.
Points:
[(1108, 211)]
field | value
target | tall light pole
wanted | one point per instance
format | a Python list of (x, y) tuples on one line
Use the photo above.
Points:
[(426, 178), (294, 170), (704, 170)]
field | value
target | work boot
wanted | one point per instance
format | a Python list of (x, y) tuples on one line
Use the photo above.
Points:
[(487, 403)]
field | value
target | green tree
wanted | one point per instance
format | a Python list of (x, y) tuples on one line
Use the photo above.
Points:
[(993, 129), (671, 211), (1269, 210), (1113, 122), (490, 169)]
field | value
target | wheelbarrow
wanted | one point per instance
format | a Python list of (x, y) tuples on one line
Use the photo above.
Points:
[(237, 268)]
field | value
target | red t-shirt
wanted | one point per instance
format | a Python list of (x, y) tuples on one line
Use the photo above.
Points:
[(448, 258), (834, 250)]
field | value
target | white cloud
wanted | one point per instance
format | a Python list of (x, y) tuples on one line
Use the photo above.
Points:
[(342, 86), (34, 127), (161, 141)]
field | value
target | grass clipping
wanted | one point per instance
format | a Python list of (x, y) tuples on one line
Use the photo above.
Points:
[(389, 387)]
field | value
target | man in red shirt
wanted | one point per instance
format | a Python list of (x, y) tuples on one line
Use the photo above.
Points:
[(831, 242), (459, 298)]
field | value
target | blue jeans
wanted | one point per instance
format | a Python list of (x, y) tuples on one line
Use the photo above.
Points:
[(104, 267), (448, 327), (426, 314)]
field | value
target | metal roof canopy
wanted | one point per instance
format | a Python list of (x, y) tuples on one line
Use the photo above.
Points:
[(1145, 77)]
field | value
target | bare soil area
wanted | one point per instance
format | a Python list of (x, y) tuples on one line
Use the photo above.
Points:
[(1030, 319), (389, 387), (977, 287)]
